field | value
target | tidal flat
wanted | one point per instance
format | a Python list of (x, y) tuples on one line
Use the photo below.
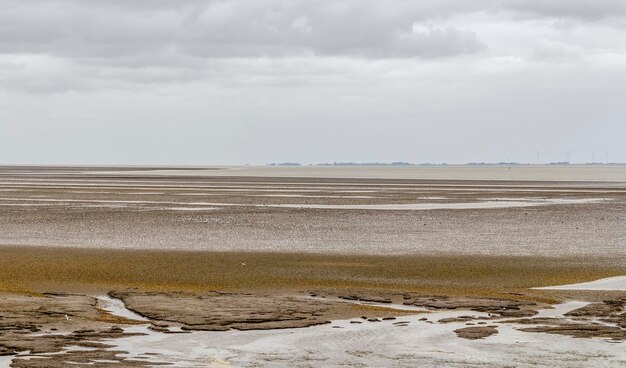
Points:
[(40, 269), (195, 267)]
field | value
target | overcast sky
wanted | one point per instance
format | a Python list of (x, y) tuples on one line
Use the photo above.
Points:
[(257, 81)]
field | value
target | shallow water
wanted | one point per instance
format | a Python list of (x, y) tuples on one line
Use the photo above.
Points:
[(615, 173), (610, 283), (420, 343), (423, 343), (487, 204), (117, 308), (407, 341), (561, 309), (5, 361)]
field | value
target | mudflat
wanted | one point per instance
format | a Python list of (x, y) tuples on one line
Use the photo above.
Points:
[(52, 310), (99, 265), (148, 209), (47, 269)]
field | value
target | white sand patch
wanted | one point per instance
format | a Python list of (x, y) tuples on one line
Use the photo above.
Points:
[(610, 283)]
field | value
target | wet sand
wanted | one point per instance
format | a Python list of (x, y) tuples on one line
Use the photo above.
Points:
[(41, 269), (137, 328), (152, 209), (136, 266), (162, 305)]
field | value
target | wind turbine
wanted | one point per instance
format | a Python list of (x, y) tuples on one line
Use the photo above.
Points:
[(568, 156)]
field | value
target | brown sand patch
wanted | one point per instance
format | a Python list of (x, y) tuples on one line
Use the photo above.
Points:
[(37, 269), (475, 333)]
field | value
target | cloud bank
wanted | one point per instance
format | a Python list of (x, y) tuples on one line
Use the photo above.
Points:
[(444, 80)]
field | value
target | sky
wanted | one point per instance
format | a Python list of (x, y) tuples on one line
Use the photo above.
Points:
[(190, 82)]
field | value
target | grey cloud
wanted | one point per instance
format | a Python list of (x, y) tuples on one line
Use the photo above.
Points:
[(236, 81), (431, 41), (234, 28), (579, 9), (84, 45), (559, 52), (57, 45)]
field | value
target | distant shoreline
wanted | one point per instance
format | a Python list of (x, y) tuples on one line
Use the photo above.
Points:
[(444, 164)]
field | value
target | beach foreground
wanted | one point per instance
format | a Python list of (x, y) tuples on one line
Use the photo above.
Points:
[(126, 268), (141, 308)]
